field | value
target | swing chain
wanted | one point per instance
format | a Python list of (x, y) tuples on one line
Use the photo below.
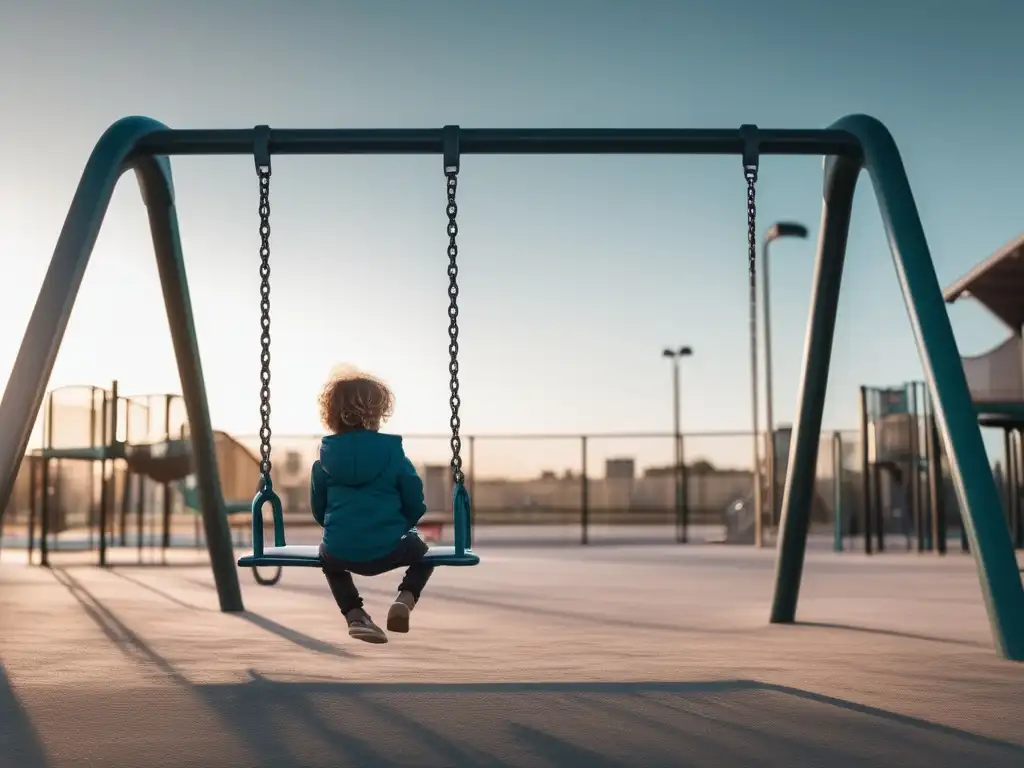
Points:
[(452, 175), (750, 163), (263, 172), (750, 173)]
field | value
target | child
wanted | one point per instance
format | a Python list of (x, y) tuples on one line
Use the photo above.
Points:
[(366, 494)]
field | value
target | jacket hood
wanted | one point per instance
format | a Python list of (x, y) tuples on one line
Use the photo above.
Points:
[(358, 458)]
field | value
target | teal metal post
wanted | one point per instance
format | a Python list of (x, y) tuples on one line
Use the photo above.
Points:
[(584, 495), (154, 176), (837, 491), (955, 416), (794, 524)]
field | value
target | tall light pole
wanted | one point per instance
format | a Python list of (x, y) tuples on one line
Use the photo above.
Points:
[(777, 230), (679, 473)]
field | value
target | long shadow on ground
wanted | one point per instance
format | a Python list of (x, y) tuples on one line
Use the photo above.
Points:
[(20, 744), (269, 723), (466, 597)]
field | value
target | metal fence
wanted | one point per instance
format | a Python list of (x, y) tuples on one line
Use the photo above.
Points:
[(563, 489), (594, 487)]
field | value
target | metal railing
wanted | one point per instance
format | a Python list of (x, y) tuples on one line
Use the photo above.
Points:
[(601, 484)]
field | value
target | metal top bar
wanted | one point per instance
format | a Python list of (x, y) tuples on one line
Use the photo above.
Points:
[(514, 141)]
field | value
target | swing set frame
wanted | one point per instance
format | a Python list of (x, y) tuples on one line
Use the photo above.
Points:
[(854, 142)]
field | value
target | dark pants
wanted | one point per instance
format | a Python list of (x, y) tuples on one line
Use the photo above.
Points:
[(407, 554)]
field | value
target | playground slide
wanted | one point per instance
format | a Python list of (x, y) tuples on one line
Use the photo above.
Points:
[(239, 468), (161, 462), (171, 462)]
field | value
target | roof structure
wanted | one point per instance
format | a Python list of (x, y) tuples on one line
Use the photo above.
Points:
[(997, 283), (996, 378)]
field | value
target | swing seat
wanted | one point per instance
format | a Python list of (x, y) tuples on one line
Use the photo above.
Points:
[(309, 556)]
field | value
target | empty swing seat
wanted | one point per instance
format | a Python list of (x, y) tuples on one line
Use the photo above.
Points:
[(309, 556)]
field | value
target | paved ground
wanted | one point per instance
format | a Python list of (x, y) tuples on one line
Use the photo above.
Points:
[(563, 535), (610, 656)]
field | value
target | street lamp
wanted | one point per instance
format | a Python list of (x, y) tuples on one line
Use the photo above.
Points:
[(682, 503), (777, 230)]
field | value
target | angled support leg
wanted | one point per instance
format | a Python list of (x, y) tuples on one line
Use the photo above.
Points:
[(154, 176), (985, 525), (22, 398), (794, 524)]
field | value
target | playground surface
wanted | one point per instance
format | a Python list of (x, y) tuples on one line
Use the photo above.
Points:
[(605, 656)]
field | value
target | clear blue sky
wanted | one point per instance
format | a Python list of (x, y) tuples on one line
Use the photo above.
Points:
[(575, 271)]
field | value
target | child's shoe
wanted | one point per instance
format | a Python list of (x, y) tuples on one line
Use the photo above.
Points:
[(361, 627), (398, 614)]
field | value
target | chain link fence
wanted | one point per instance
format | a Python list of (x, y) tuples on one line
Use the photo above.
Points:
[(597, 487), (557, 489)]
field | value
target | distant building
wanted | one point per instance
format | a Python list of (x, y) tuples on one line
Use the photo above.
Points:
[(620, 469), (620, 475), (293, 463), (669, 471), (436, 489), (295, 499)]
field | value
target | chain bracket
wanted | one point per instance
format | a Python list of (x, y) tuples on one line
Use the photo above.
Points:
[(261, 147), (450, 140), (450, 149), (751, 148)]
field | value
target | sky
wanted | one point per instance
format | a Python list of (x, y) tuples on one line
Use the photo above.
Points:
[(575, 271)]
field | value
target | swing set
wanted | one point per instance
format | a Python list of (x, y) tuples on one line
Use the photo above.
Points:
[(854, 143)]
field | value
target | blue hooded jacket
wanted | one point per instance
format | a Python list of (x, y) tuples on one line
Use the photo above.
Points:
[(365, 493)]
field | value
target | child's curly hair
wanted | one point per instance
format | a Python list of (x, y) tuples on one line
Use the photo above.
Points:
[(352, 400)]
